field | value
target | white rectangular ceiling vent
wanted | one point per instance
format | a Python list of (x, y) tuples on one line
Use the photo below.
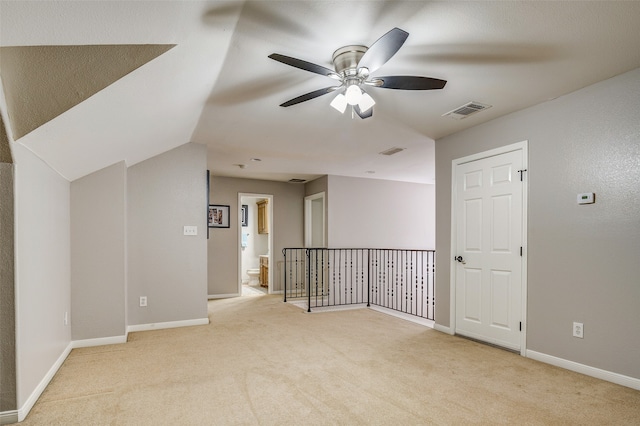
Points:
[(294, 180), (392, 151), (466, 110)]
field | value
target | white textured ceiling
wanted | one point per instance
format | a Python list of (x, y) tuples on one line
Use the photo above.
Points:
[(217, 86)]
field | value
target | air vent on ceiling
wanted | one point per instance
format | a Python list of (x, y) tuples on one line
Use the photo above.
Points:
[(466, 110), (297, 180), (392, 151)]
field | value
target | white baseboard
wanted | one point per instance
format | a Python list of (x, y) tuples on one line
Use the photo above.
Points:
[(443, 329), (8, 417), (170, 324), (404, 316), (31, 401), (223, 296), (101, 341), (598, 373)]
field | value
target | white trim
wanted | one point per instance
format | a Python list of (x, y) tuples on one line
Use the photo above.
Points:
[(223, 296), (170, 324), (100, 341), (31, 401), (443, 329), (598, 373), (518, 146), (404, 316), (8, 417)]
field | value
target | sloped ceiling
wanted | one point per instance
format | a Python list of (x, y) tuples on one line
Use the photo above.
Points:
[(42, 82), (218, 87)]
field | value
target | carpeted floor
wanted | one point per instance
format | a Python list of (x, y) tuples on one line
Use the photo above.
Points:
[(263, 362)]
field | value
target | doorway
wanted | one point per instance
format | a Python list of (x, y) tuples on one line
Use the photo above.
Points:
[(314, 220), (255, 244), (488, 246)]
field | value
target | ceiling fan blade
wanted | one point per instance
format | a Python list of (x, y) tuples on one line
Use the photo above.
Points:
[(407, 82), (304, 65), (383, 49), (309, 96), (368, 113)]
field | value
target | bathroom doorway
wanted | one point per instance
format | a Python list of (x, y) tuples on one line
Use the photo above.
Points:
[(255, 244)]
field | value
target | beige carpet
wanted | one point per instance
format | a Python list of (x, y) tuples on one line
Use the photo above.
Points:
[(263, 362)]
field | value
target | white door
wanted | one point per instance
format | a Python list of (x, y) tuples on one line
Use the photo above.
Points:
[(489, 201)]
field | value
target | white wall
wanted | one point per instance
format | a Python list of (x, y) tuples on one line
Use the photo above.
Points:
[(42, 269), (582, 259), (373, 213)]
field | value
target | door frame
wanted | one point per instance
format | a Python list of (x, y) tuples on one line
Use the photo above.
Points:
[(308, 222), (519, 146), (270, 217)]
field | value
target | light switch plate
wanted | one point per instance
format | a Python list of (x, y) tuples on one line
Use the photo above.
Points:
[(190, 230)]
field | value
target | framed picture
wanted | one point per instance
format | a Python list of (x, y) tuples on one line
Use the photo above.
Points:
[(218, 216), (245, 215)]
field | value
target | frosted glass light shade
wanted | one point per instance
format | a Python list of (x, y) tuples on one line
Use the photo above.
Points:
[(339, 102), (366, 102), (353, 94)]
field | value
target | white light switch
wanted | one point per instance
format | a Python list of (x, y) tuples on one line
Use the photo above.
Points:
[(190, 230), (587, 198)]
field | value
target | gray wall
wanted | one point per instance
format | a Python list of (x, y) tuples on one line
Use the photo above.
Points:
[(164, 194), (7, 294), (287, 231), (375, 213), (582, 260), (98, 213), (42, 253)]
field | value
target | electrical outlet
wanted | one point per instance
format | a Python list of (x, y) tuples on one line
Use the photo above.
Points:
[(190, 230), (578, 330), (143, 301)]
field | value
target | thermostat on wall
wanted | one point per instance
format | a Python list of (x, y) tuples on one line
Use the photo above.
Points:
[(587, 198)]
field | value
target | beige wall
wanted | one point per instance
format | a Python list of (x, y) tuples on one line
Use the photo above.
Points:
[(98, 237), (287, 231), (165, 193), (582, 260)]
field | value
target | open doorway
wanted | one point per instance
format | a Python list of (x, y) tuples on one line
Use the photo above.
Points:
[(255, 244), (314, 220)]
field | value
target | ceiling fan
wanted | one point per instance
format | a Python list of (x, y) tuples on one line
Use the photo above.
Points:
[(354, 65)]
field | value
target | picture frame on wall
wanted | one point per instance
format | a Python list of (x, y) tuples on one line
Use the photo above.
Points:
[(218, 216), (245, 215)]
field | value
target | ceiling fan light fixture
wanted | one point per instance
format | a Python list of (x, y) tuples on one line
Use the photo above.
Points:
[(353, 94), (339, 103), (366, 102)]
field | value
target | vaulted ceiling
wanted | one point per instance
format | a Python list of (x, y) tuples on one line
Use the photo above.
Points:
[(90, 83)]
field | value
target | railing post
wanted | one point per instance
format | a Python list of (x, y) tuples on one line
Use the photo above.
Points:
[(284, 253), (369, 278), (308, 280)]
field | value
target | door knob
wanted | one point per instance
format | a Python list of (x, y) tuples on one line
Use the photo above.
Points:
[(459, 259)]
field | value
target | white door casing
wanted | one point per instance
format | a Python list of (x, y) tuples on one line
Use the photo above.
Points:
[(314, 220), (488, 231)]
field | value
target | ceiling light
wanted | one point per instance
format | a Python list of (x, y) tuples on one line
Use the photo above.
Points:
[(366, 102), (353, 94), (340, 103)]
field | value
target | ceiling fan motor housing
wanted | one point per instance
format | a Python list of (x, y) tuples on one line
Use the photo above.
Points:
[(346, 59)]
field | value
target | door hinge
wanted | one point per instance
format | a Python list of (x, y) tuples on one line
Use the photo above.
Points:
[(520, 251), (521, 174), (520, 325)]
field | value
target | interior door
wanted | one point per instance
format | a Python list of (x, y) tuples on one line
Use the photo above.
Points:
[(488, 254)]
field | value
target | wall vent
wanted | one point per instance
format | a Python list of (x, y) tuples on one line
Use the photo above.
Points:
[(297, 180), (466, 110), (392, 151)]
